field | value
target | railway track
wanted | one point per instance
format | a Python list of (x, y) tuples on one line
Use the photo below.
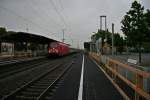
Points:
[(8, 62), (41, 87), (21, 68)]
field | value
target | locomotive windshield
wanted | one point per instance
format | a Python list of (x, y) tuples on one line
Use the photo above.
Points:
[(53, 45)]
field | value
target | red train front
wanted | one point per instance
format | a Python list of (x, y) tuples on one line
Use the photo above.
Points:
[(58, 49)]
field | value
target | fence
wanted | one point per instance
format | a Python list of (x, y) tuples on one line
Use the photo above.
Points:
[(131, 76)]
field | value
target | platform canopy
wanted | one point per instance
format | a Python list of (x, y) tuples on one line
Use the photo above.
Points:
[(25, 37)]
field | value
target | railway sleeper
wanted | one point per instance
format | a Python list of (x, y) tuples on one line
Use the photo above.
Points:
[(37, 87), (48, 98), (50, 94), (56, 87), (49, 78), (45, 81), (27, 93), (59, 83), (54, 75), (41, 84), (53, 90), (22, 97), (34, 90)]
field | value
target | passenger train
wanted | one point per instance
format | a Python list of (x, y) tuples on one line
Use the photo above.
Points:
[(58, 49)]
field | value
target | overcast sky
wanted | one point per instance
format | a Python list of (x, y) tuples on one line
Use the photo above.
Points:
[(79, 18)]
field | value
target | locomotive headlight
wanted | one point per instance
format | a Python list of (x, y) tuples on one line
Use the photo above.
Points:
[(49, 51), (56, 51)]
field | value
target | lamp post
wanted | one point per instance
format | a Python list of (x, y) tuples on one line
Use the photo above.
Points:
[(101, 17), (63, 39), (112, 39), (101, 22)]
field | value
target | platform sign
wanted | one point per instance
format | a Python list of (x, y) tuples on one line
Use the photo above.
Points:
[(133, 61), (7, 48), (99, 45), (87, 46)]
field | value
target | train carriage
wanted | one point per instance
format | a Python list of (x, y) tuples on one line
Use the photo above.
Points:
[(58, 49)]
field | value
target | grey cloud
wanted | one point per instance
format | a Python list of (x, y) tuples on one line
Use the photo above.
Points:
[(81, 16)]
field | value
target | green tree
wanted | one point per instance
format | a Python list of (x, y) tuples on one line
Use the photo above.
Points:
[(147, 16), (118, 42), (147, 20), (2, 33), (104, 35), (134, 26)]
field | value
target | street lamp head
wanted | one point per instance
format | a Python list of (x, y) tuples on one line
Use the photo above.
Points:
[(103, 16)]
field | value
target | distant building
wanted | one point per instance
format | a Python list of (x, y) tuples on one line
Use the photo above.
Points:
[(99, 45), (7, 49), (93, 43), (106, 48)]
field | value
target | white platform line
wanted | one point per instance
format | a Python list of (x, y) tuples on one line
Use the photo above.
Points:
[(81, 82)]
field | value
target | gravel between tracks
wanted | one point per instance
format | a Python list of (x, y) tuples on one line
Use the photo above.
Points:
[(15, 69), (11, 83)]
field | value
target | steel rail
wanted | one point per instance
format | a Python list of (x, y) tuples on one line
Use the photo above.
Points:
[(36, 80), (21, 69), (54, 82)]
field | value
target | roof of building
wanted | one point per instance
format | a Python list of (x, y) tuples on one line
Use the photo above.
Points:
[(26, 37)]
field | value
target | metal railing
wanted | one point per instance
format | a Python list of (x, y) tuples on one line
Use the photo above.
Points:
[(131, 76)]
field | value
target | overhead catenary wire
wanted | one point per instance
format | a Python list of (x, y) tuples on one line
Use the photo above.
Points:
[(62, 9), (66, 17), (61, 5), (23, 18), (59, 14), (34, 3), (64, 14), (35, 10)]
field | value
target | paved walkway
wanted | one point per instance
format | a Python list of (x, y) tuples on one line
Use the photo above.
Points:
[(95, 84), (10, 60)]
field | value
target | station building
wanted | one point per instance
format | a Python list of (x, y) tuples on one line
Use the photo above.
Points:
[(24, 44)]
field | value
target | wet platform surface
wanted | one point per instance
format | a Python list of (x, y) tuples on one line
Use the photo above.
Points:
[(96, 86)]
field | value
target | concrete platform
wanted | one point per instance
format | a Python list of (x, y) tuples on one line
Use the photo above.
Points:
[(95, 84), (9, 60)]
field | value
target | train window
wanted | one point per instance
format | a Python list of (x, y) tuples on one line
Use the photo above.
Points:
[(53, 45)]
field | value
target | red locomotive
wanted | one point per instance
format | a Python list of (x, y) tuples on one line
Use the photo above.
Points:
[(58, 49)]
